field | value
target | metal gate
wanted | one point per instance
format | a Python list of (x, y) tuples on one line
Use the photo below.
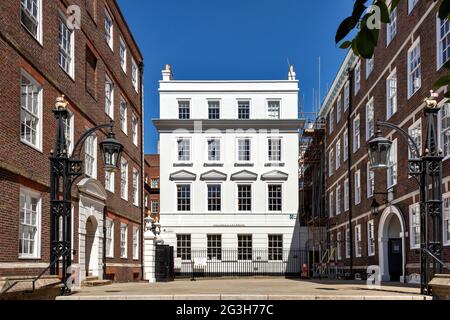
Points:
[(203, 263), (164, 266)]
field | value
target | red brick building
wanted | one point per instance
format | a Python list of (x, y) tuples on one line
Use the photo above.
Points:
[(152, 185), (391, 87), (98, 67)]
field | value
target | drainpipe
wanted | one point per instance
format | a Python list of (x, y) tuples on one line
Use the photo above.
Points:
[(104, 242), (350, 180), (141, 235)]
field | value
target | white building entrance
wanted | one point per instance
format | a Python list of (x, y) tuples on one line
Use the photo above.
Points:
[(91, 206)]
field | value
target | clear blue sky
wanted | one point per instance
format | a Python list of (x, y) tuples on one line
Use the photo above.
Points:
[(235, 39)]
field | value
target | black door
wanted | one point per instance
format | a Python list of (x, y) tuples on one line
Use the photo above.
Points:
[(164, 263), (395, 259)]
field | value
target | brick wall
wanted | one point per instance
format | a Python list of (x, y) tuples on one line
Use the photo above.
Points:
[(21, 165)]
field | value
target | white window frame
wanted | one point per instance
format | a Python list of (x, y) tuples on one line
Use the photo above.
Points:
[(357, 75), (63, 50), (238, 160), (177, 148), (346, 96), (358, 241), (358, 187), (348, 246), (271, 114), (331, 120), (331, 162), (346, 195), (109, 100), (123, 241), (269, 160), (370, 123), (268, 198), (446, 220), (331, 204), (411, 5), (238, 198), (123, 50), (135, 243), (110, 248), (28, 194), (439, 40), (412, 130), (135, 129), (134, 75), (39, 33), (338, 109), (339, 246), (392, 171), (371, 238), (190, 196), (444, 137), (92, 139), (411, 77), (154, 206), (370, 65), (109, 29), (39, 112), (338, 154), (391, 97), (110, 181), (391, 28), (221, 203), (370, 182), (345, 151), (338, 200), (123, 117), (214, 104), (180, 102), (242, 102), (356, 133), (135, 187), (124, 179), (218, 150), (414, 209), (69, 131)]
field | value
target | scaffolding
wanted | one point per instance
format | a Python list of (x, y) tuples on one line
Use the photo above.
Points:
[(313, 214)]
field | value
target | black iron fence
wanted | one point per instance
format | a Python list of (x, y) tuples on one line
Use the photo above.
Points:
[(219, 263)]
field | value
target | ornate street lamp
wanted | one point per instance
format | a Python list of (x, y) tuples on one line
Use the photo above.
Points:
[(379, 148), (112, 152), (427, 170), (65, 169)]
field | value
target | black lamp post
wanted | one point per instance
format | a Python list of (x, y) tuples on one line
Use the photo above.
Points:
[(65, 168), (427, 170)]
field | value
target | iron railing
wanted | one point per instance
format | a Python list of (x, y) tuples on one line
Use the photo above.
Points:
[(220, 263)]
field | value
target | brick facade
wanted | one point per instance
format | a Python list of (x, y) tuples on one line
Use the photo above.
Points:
[(421, 24), (22, 166), (152, 185)]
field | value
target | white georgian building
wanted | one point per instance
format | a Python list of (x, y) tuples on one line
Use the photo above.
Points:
[(229, 165)]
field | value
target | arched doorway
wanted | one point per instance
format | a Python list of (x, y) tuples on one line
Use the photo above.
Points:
[(90, 232), (91, 262), (391, 244)]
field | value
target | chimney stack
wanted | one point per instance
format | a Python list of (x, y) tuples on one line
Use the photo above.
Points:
[(291, 74), (167, 73)]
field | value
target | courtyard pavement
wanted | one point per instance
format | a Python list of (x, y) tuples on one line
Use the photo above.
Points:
[(248, 289)]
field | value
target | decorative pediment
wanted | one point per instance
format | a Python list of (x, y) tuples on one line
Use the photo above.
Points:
[(213, 175), (183, 175), (92, 188), (275, 175), (244, 175)]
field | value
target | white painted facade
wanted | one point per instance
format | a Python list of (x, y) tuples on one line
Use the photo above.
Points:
[(228, 172)]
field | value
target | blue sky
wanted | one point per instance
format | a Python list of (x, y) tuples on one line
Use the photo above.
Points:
[(235, 39)]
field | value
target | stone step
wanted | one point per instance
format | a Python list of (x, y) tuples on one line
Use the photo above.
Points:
[(91, 278), (96, 283)]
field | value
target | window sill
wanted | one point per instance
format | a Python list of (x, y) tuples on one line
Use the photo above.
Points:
[(244, 164), (206, 165), (275, 164), (38, 257), (182, 164)]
